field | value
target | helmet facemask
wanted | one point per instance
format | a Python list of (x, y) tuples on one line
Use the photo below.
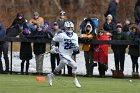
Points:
[(69, 26)]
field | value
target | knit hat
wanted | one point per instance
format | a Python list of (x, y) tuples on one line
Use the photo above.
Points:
[(36, 14), (119, 25), (19, 14), (109, 15)]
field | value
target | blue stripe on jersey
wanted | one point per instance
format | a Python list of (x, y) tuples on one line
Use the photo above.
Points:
[(69, 34), (65, 58)]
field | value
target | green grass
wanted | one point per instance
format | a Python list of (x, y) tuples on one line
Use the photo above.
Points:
[(61, 84)]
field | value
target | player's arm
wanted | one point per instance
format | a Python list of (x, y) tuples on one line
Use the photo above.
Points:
[(57, 38)]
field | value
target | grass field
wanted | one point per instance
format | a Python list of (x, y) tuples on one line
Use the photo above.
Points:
[(28, 84)]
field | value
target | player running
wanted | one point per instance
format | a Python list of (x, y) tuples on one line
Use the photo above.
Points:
[(68, 45)]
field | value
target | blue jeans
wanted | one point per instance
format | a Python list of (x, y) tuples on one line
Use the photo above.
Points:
[(31, 27), (4, 51)]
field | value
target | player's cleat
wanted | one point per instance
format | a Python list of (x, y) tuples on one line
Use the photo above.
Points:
[(76, 83), (50, 79)]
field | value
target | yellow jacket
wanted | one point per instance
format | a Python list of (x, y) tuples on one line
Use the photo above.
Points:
[(34, 22), (86, 47)]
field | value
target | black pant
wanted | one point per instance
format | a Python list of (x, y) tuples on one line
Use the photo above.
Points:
[(119, 56), (135, 64), (89, 62), (53, 62), (102, 68), (4, 50), (69, 70), (27, 66)]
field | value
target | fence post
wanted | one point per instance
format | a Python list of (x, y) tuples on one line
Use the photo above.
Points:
[(11, 57)]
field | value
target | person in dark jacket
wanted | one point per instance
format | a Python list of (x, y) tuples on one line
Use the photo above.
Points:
[(126, 27), (112, 9), (62, 19), (4, 50), (17, 25), (39, 48), (25, 51), (137, 12), (55, 56), (19, 21), (109, 26), (119, 50), (88, 50), (134, 50)]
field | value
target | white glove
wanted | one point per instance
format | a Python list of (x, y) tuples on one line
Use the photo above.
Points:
[(54, 50), (57, 49)]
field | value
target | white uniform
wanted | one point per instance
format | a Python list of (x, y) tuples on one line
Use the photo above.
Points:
[(66, 45), (68, 42)]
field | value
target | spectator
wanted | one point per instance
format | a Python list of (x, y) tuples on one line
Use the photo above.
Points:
[(126, 27), (17, 25), (4, 50), (36, 20), (137, 12), (92, 21), (101, 54), (25, 51), (109, 25), (47, 27), (39, 49), (119, 50), (88, 50), (134, 49), (112, 9), (55, 56), (20, 21), (62, 19)]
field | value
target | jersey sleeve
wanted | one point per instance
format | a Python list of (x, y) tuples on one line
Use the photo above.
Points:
[(58, 37)]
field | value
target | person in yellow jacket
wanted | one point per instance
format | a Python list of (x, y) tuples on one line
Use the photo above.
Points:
[(88, 49), (36, 20)]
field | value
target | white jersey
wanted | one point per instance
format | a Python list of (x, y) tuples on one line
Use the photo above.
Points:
[(66, 42)]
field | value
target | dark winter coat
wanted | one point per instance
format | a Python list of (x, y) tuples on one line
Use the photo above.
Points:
[(112, 9), (119, 36), (134, 49), (25, 51), (19, 22), (16, 27), (126, 30), (109, 27), (2, 32), (137, 12), (39, 48)]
